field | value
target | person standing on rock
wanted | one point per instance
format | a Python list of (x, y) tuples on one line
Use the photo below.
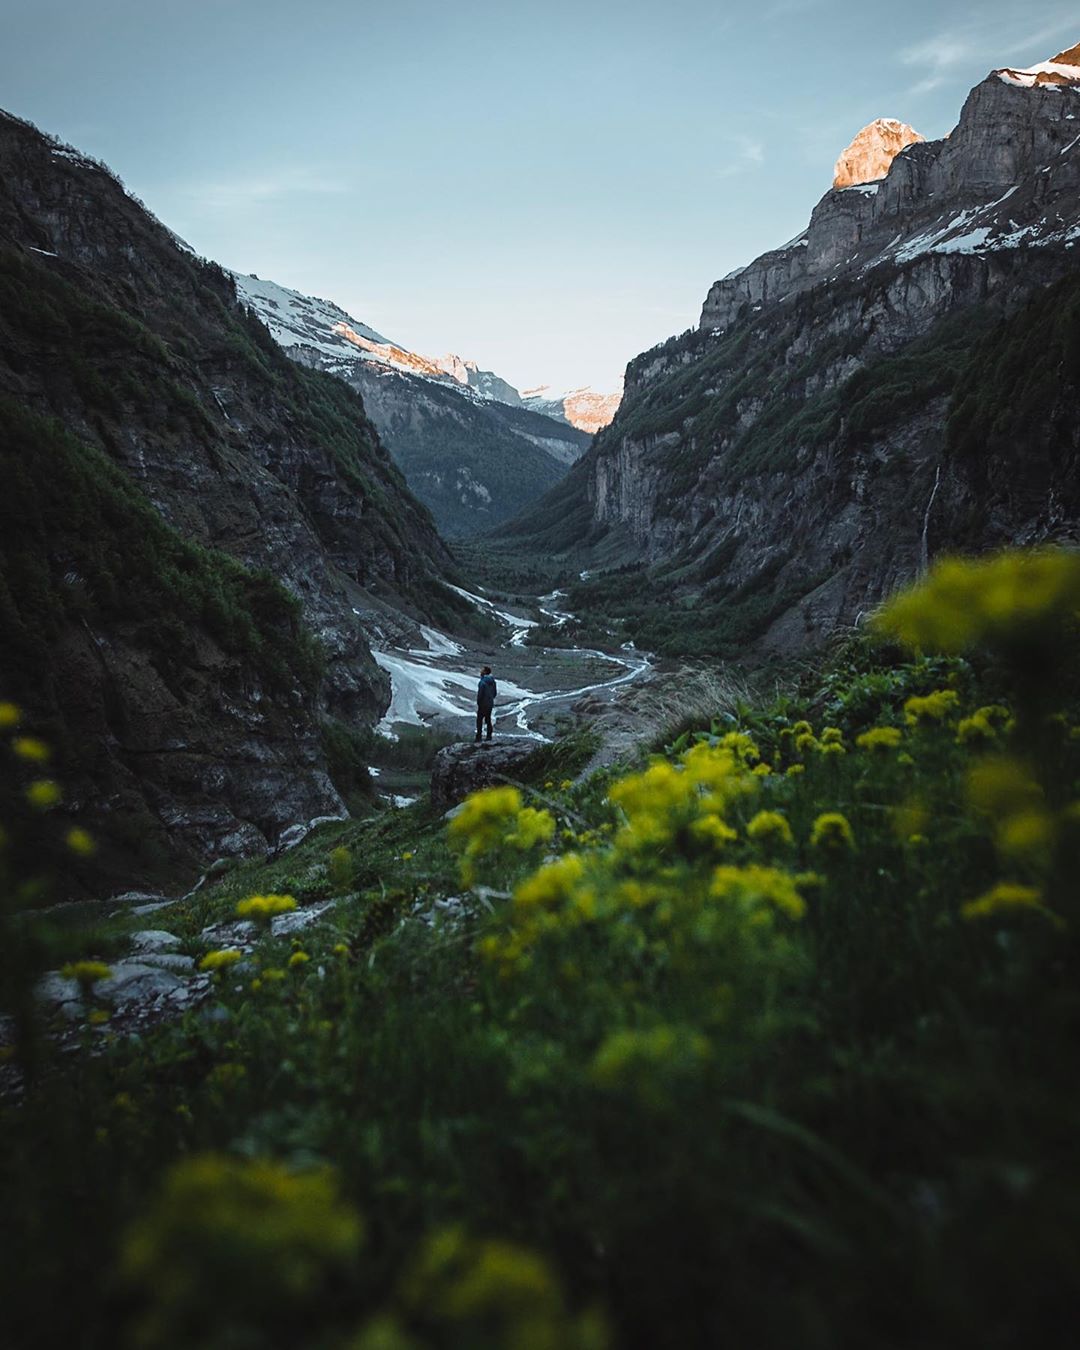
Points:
[(485, 701)]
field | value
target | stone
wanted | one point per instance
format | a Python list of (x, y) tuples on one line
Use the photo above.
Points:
[(174, 961), (461, 769), (870, 155), (154, 940)]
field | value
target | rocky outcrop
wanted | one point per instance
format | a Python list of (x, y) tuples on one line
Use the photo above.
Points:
[(870, 155), (461, 769)]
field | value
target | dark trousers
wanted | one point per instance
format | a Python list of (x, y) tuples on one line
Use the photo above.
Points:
[(483, 715)]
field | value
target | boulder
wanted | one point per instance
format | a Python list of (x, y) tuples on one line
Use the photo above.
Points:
[(461, 769)]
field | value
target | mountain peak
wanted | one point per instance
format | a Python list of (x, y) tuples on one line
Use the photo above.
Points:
[(873, 150), (1063, 69)]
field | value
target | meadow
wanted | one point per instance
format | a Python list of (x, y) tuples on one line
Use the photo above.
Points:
[(767, 1038)]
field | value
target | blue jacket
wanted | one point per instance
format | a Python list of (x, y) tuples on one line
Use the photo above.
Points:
[(486, 691)]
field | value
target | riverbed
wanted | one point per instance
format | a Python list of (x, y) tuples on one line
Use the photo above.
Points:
[(434, 682)]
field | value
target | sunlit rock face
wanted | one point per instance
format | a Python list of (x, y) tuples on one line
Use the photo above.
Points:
[(871, 153), (587, 409)]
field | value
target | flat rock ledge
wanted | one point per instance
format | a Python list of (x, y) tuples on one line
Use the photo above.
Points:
[(461, 769)]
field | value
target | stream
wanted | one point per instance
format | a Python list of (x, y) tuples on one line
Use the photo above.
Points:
[(435, 685)]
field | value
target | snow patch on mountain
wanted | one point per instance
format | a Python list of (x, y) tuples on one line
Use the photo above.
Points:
[(584, 408)]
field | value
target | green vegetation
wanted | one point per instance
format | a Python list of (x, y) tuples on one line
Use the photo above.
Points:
[(80, 544), (766, 1039)]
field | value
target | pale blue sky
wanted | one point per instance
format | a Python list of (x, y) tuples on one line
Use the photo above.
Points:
[(547, 188)]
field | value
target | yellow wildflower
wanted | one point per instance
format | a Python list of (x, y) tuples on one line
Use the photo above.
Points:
[(805, 742), (935, 707), (770, 827), (832, 736), (298, 959), (762, 770), (221, 959), (43, 793), (753, 887), (10, 716), (832, 750), (1004, 898), (341, 949), (97, 1017), (80, 841), (1027, 834), (86, 973), (531, 827), (637, 1059), (801, 729), (30, 749), (263, 908), (711, 830), (1001, 599), (880, 738), (406, 857), (794, 769), (975, 730), (832, 832), (1002, 786)]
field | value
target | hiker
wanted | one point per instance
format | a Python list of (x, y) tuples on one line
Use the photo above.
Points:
[(485, 700)]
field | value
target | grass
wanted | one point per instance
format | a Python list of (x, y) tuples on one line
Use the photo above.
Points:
[(708, 1055)]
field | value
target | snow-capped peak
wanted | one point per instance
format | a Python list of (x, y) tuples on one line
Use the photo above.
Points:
[(1063, 69), (584, 408)]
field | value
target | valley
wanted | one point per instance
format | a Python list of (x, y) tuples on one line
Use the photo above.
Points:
[(731, 992)]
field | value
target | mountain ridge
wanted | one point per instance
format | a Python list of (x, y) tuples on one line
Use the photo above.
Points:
[(786, 464), (232, 465)]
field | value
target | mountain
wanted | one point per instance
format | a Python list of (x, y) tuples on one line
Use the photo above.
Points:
[(583, 408), (901, 379), (870, 155), (198, 534), (469, 449)]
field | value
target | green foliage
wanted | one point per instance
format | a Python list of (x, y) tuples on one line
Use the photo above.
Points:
[(80, 544), (1016, 387)]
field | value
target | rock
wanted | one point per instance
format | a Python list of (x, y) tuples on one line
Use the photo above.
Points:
[(139, 901), (298, 919), (296, 834), (870, 155), (461, 769), (154, 940), (173, 961)]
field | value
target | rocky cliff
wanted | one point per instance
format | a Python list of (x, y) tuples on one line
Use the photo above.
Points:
[(196, 529), (467, 447), (774, 472)]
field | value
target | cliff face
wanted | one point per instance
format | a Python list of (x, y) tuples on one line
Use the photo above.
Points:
[(129, 363), (786, 464)]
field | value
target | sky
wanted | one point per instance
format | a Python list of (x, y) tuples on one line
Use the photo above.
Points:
[(546, 188)]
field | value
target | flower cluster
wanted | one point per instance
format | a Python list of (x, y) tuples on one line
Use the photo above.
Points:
[(1005, 600), (493, 821), (263, 908)]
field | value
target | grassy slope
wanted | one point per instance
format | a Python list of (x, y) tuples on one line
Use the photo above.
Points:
[(876, 1147)]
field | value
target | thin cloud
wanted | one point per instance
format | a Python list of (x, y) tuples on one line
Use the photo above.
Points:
[(255, 190), (747, 153), (975, 41)]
